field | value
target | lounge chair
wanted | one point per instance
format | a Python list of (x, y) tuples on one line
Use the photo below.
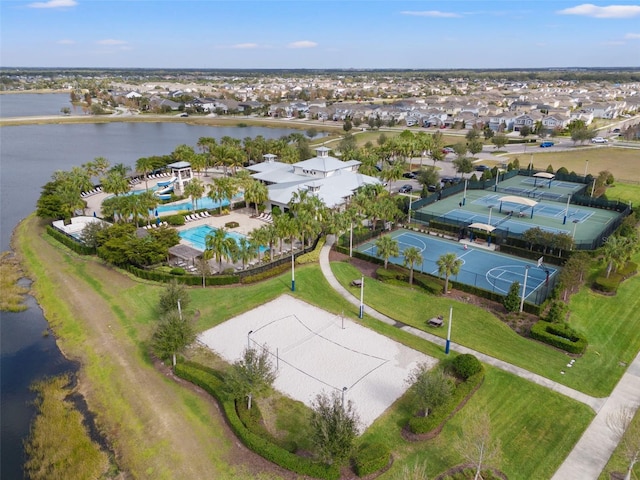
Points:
[(187, 218), (206, 213)]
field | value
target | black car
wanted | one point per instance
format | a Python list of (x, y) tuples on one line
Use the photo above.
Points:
[(405, 189), (432, 188), (410, 175), (481, 168)]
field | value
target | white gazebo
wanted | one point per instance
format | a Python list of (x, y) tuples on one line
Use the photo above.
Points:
[(181, 173)]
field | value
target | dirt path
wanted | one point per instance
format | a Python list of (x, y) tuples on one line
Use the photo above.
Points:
[(178, 447)]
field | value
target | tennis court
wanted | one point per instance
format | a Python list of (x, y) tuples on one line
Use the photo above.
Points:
[(481, 268)]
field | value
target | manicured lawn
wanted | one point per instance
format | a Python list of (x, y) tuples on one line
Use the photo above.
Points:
[(537, 429), (596, 373), (624, 192)]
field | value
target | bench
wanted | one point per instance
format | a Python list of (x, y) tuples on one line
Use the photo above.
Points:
[(356, 283), (436, 321)]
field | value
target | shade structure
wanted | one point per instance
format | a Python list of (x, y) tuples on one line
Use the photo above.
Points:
[(546, 175), (483, 226), (519, 200)]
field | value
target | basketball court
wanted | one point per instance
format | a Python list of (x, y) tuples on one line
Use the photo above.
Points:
[(481, 268)]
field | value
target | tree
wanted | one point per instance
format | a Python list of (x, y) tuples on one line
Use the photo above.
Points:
[(221, 245), (412, 256), (173, 294), (334, 427), (476, 444), (525, 130), (115, 182), (347, 124), (431, 387), (572, 275), (627, 432), (448, 264), (222, 188), (463, 165), (473, 134), (475, 146), (194, 189), (144, 165), (257, 193), (252, 375), (387, 247), (172, 335), (512, 300), (460, 149), (500, 140)]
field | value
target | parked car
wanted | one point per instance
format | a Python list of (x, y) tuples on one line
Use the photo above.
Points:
[(432, 188), (599, 140), (405, 189), (481, 168), (546, 144), (410, 175)]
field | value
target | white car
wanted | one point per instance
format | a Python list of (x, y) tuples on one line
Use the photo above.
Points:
[(599, 140)]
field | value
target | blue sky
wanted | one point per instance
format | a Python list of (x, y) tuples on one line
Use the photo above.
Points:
[(319, 34)]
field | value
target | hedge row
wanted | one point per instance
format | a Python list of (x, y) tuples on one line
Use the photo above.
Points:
[(370, 458), (496, 297), (559, 335), (208, 381), (265, 274), (313, 256), (70, 242), (157, 276), (436, 420)]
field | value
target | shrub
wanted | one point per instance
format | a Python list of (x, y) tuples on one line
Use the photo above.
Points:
[(177, 271), (465, 366), (512, 300), (313, 256), (174, 220), (557, 312), (370, 458), (231, 225), (436, 420), (272, 272), (561, 336), (608, 285)]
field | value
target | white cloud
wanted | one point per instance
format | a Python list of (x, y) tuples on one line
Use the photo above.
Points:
[(431, 13), (611, 11), (632, 36), (54, 4), (302, 44), (111, 41), (245, 45), (66, 41)]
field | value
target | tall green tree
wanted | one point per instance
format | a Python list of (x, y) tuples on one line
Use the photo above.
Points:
[(194, 190), (511, 301), (115, 182), (145, 165), (387, 247), (334, 427), (221, 246), (448, 264), (172, 335), (257, 193), (172, 294), (222, 188), (431, 387), (252, 375)]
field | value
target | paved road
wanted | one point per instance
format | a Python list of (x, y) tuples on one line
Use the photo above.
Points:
[(592, 452)]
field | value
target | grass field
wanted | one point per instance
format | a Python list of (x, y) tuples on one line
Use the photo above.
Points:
[(163, 430), (623, 163), (595, 373)]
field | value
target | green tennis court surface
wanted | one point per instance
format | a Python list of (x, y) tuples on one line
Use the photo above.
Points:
[(481, 268)]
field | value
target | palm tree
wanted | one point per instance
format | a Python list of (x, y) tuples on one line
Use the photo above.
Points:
[(448, 264), (145, 165), (120, 168), (222, 188), (115, 182), (221, 246), (258, 237), (257, 193), (412, 256), (387, 247), (148, 202), (199, 162), (247, 249), (194, 189)]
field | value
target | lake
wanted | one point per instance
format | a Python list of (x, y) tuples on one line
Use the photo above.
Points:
[(29, 156), (34, 104)]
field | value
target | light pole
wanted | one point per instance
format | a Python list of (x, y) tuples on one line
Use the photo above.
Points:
[(566, 210), (409, 213), (524, 288), (490, 209), (249, 339), (293, 270), (350, 239), (361, 313), (344, 389), (464, 195), (448, 344), (586, 166), (575, 225)]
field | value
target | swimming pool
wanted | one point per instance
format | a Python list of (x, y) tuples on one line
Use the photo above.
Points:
[(203, 202), (196, 236)]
